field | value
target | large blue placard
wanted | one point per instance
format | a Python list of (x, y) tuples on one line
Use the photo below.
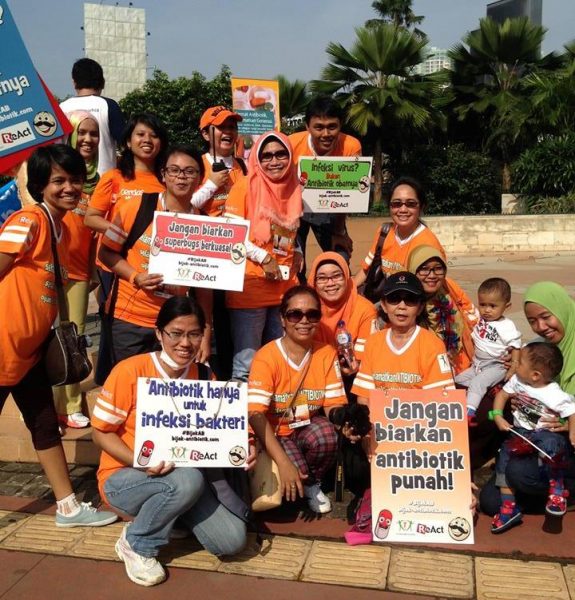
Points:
[(27, 117)]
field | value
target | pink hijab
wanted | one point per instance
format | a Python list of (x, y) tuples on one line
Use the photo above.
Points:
[(270, 201)]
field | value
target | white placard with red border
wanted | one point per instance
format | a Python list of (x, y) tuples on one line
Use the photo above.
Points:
[(198, 251)]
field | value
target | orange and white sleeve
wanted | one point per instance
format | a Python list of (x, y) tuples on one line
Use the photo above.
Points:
[(436, 368), (334, 390), (115, 400), (260, 383), (18, 233), (364, 381)]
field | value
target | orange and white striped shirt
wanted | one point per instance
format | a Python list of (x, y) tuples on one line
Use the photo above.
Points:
[(115, 408), (273, 377), (422, 363)]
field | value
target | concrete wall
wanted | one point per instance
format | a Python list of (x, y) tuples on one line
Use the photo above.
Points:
[(493, 234)]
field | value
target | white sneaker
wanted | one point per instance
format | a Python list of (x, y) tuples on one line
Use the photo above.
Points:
[(75, 420), (142, 570), (316, 499)]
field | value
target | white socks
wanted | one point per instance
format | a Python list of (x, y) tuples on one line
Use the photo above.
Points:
[(68, 506)]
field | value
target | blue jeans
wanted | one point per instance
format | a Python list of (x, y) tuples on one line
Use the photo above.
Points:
[(156, 502), (554, 444), (251, 329)]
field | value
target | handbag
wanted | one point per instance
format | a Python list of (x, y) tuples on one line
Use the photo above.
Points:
[(65, 354), (265, 482), (375, 278)]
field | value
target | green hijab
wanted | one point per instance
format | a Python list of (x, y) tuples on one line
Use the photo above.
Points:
[(557, 301)]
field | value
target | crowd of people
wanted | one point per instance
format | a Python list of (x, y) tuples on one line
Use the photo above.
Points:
[(307, 400)]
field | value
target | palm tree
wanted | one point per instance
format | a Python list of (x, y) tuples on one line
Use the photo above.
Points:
[(294, 98), (396, 12), (552, 95), (373, 81), (487, 77)]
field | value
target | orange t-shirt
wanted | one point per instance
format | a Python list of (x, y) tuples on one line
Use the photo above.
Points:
[(28, 300), (273, 377), (421, 364), (361, 324), (113, 190), (214, 207), (258, 291), (115, 408), (395, 251), (134, 305), (345, 145), (81, 240)]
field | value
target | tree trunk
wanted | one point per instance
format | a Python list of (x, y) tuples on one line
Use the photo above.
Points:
[(506, 178), (377, 175)]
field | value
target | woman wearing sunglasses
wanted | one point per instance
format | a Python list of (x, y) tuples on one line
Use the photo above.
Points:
[(291, 380), (450, 312), (156, 493), (270, 198), (404, 355), (406, 205)]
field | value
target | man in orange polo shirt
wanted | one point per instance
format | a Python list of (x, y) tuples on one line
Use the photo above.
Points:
[(323, 137)]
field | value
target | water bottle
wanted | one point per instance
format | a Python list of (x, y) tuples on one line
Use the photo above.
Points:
[(344, 343)]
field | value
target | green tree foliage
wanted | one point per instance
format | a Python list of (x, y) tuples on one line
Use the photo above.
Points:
[(373, 81), (546, 172), (394, 12), (180, 102), (489, 69), (551, 107), (294, 98), (457, 181)]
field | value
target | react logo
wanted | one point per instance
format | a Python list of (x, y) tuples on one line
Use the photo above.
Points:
[(45, 123), (237, 456), (459, 529), (238, 254)]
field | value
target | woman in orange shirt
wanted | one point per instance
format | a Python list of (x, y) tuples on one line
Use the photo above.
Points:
[(141, 294), (301, 441), (84, 138), (331, 278), (406, 205), (28, 308), (270, 198), (157, 493)]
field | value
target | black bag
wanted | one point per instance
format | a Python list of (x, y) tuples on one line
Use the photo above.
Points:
[(375, 279), (65, 356)]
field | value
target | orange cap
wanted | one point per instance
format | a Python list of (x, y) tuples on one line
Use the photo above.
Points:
[(216, 115)]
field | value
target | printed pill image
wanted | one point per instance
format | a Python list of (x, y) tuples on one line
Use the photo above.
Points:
[(145, 453), (383, 524)]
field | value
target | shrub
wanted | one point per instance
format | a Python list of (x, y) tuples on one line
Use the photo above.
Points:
[(547, 170), (457, 181), (546, 205)]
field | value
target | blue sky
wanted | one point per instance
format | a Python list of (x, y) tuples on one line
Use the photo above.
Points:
[(256, 38)]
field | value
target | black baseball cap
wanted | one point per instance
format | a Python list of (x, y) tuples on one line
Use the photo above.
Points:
[(404, 281)]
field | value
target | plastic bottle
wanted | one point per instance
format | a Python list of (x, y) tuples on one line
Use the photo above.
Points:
[(344, 343)]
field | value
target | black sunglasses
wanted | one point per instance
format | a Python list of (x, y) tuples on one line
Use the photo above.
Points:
[(408, 299), (296, 315)]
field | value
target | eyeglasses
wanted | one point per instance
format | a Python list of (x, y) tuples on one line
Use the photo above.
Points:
[(425, 271), (407, 203), (324, 279), (187, 173), (191, 336), (398, 297), (296, 315), (266, 157)]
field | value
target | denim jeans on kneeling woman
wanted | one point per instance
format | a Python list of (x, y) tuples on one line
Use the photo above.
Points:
[(251, 329), (156, 502)]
